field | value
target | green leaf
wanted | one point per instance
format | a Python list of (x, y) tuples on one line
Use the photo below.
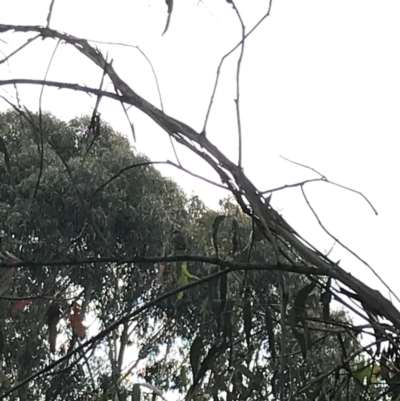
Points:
[(299, 315), (183, 377), (196, 351), (301, 340), (269, 323), (186, 272), (365, 372), (183, 280), (1, 344), (3, 149), (170, 5), (326, 298), (300, 337), (217, 222), (245, 371), (204, 305), (235, 226), (302, 296), (136, 392), (247, 319)]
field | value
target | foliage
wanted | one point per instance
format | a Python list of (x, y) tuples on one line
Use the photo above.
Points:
[(249, 320), (50, 211), (69, 194)]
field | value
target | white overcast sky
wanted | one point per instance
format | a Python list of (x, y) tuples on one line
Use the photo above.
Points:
[(320, 85)]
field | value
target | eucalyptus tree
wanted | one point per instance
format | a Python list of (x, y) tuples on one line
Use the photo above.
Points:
[(69, 194), (78, 205)]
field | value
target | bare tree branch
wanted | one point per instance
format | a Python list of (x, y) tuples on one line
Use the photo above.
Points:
[(50, 13), (237, 100), (297, 184), (323, 178), (346, 247), (29, 41), (266, 15)]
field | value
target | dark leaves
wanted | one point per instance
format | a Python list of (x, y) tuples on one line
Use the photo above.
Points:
[(53, 316), (270, 330), (3, 149), (247, 319), (170, 5), (217, 222), (298, 315), (326, 298), (196, 351), (136, 393)]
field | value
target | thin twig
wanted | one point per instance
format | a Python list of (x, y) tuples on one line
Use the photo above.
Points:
[(330, 250), (144, 55), (237, 100), (41, 145), (19, 48), (297, 184), (323, 178), (155, 76), (266, 15), (50, 12), (63, 85), (304, 166), (347, 248), (122, 171), (175, 152), (356, 192), (129, 121), (197, 175), (94, 126), (149, 163), (161, 101)]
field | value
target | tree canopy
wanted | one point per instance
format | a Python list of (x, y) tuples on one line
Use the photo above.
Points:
[(80, 209)]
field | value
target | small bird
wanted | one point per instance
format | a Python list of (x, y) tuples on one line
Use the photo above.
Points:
[(178, 241)]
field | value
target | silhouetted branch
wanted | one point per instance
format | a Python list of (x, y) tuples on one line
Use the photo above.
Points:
[(226, 56)]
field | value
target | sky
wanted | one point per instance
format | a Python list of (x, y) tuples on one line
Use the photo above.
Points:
[(320, 85)]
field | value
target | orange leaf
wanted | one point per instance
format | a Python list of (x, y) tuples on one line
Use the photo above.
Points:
[(76, 323), (20, 306)]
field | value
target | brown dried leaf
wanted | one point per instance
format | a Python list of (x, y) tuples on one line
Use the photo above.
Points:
[(20, 306), (76, 323)]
